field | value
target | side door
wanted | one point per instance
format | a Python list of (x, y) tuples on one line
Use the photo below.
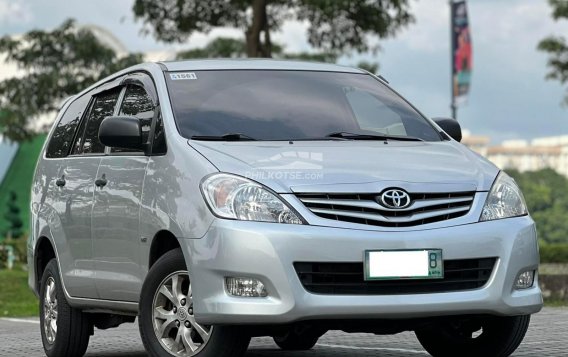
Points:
[(116, 210), (49, 187), (79, 174)]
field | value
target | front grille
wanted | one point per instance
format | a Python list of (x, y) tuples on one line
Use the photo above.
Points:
[(364, 209), (349, 279)]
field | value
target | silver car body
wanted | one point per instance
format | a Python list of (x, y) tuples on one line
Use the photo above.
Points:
[(103, 237)]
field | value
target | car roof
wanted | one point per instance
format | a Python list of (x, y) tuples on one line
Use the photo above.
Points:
[(256, 64)]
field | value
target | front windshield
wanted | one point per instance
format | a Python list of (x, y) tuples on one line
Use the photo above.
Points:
[(290, 105)]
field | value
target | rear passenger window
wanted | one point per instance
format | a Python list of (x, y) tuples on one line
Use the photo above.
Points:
[(137, 104), (102, 107), (63, 135)]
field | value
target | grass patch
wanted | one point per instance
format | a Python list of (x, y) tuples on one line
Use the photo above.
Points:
[(555, 303), (16, 298)]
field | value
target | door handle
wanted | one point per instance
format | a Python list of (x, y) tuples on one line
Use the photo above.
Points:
[(60, 182), (101, 182)]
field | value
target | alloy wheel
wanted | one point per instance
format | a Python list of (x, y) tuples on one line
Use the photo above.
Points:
[(50, 311), (173, 319)]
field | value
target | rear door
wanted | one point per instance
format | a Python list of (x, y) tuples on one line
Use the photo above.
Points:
[(76, 197), (115, 229)]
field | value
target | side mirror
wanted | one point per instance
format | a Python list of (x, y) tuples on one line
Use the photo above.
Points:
[(121, 132), (450, 126)]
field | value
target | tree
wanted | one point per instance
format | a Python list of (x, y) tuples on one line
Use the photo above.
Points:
[(557, 47), (56, 65), (546, 195), (334, 25), (12, 215), (369, 66), (223, 47)]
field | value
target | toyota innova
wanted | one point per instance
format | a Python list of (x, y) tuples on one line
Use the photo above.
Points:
[(218, 200)]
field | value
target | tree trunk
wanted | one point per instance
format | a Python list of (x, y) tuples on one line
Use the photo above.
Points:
[(267, 47), (259, 24)]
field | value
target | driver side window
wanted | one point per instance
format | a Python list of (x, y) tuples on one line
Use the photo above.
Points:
[(137, 103), (87, 141)]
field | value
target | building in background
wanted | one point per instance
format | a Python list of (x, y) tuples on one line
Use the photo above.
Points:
[(477, 143), (540, 153), (523, 155)]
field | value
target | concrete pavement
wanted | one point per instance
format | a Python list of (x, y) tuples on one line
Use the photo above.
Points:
[(548, 336)]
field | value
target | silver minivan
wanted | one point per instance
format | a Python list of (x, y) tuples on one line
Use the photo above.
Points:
[(218, 200)]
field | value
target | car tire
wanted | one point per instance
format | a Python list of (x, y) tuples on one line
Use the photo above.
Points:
[(65, 331), (295, 340), (157, 316), (499, 337)]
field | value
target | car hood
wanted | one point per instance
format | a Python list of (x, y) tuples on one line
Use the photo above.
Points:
[(353, 166)]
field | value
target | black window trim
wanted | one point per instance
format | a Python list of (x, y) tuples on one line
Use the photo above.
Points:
[(145, 81), (138, 77)]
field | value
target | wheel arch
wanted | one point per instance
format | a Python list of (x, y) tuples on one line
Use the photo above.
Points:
[(44, 252), (162, 242)]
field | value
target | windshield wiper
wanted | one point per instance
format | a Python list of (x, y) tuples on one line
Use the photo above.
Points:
[(325, 138), (224, 137), (356, 136)]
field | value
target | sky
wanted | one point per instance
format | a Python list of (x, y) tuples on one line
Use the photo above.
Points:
[(509, 99)]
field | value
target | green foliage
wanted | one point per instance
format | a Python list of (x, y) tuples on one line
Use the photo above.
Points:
[(335, 26), (20, 251), (20, 246), (310, 56), (221, 47), (57, 64), (224, 47), (557, 47), (18, 178), (16, 298), (13, 217), (554, 253), (369, 66), (546, 194), (559, 9)]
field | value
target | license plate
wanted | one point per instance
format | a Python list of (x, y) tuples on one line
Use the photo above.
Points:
[(404, 264)]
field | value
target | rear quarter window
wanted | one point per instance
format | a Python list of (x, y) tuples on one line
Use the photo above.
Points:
[(63, 134)]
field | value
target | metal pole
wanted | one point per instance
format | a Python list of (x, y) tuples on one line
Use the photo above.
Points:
[(452, 50)]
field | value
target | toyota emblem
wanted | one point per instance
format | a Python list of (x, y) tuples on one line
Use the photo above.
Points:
[(394, 198)]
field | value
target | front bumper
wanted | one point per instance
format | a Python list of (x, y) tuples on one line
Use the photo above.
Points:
[(267, 251)]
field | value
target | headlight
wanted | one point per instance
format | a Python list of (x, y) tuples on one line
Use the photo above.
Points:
[(236, 197), (505, 200)]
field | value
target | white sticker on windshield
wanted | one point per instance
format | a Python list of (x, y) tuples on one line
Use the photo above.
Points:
[(183, 75)]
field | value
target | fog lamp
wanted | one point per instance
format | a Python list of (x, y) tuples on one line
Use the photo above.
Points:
[(245, 287), (525, 280)]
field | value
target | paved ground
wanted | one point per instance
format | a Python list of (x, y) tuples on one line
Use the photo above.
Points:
[(547, 337)]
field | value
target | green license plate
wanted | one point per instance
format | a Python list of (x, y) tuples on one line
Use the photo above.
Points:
[(404, 264)]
